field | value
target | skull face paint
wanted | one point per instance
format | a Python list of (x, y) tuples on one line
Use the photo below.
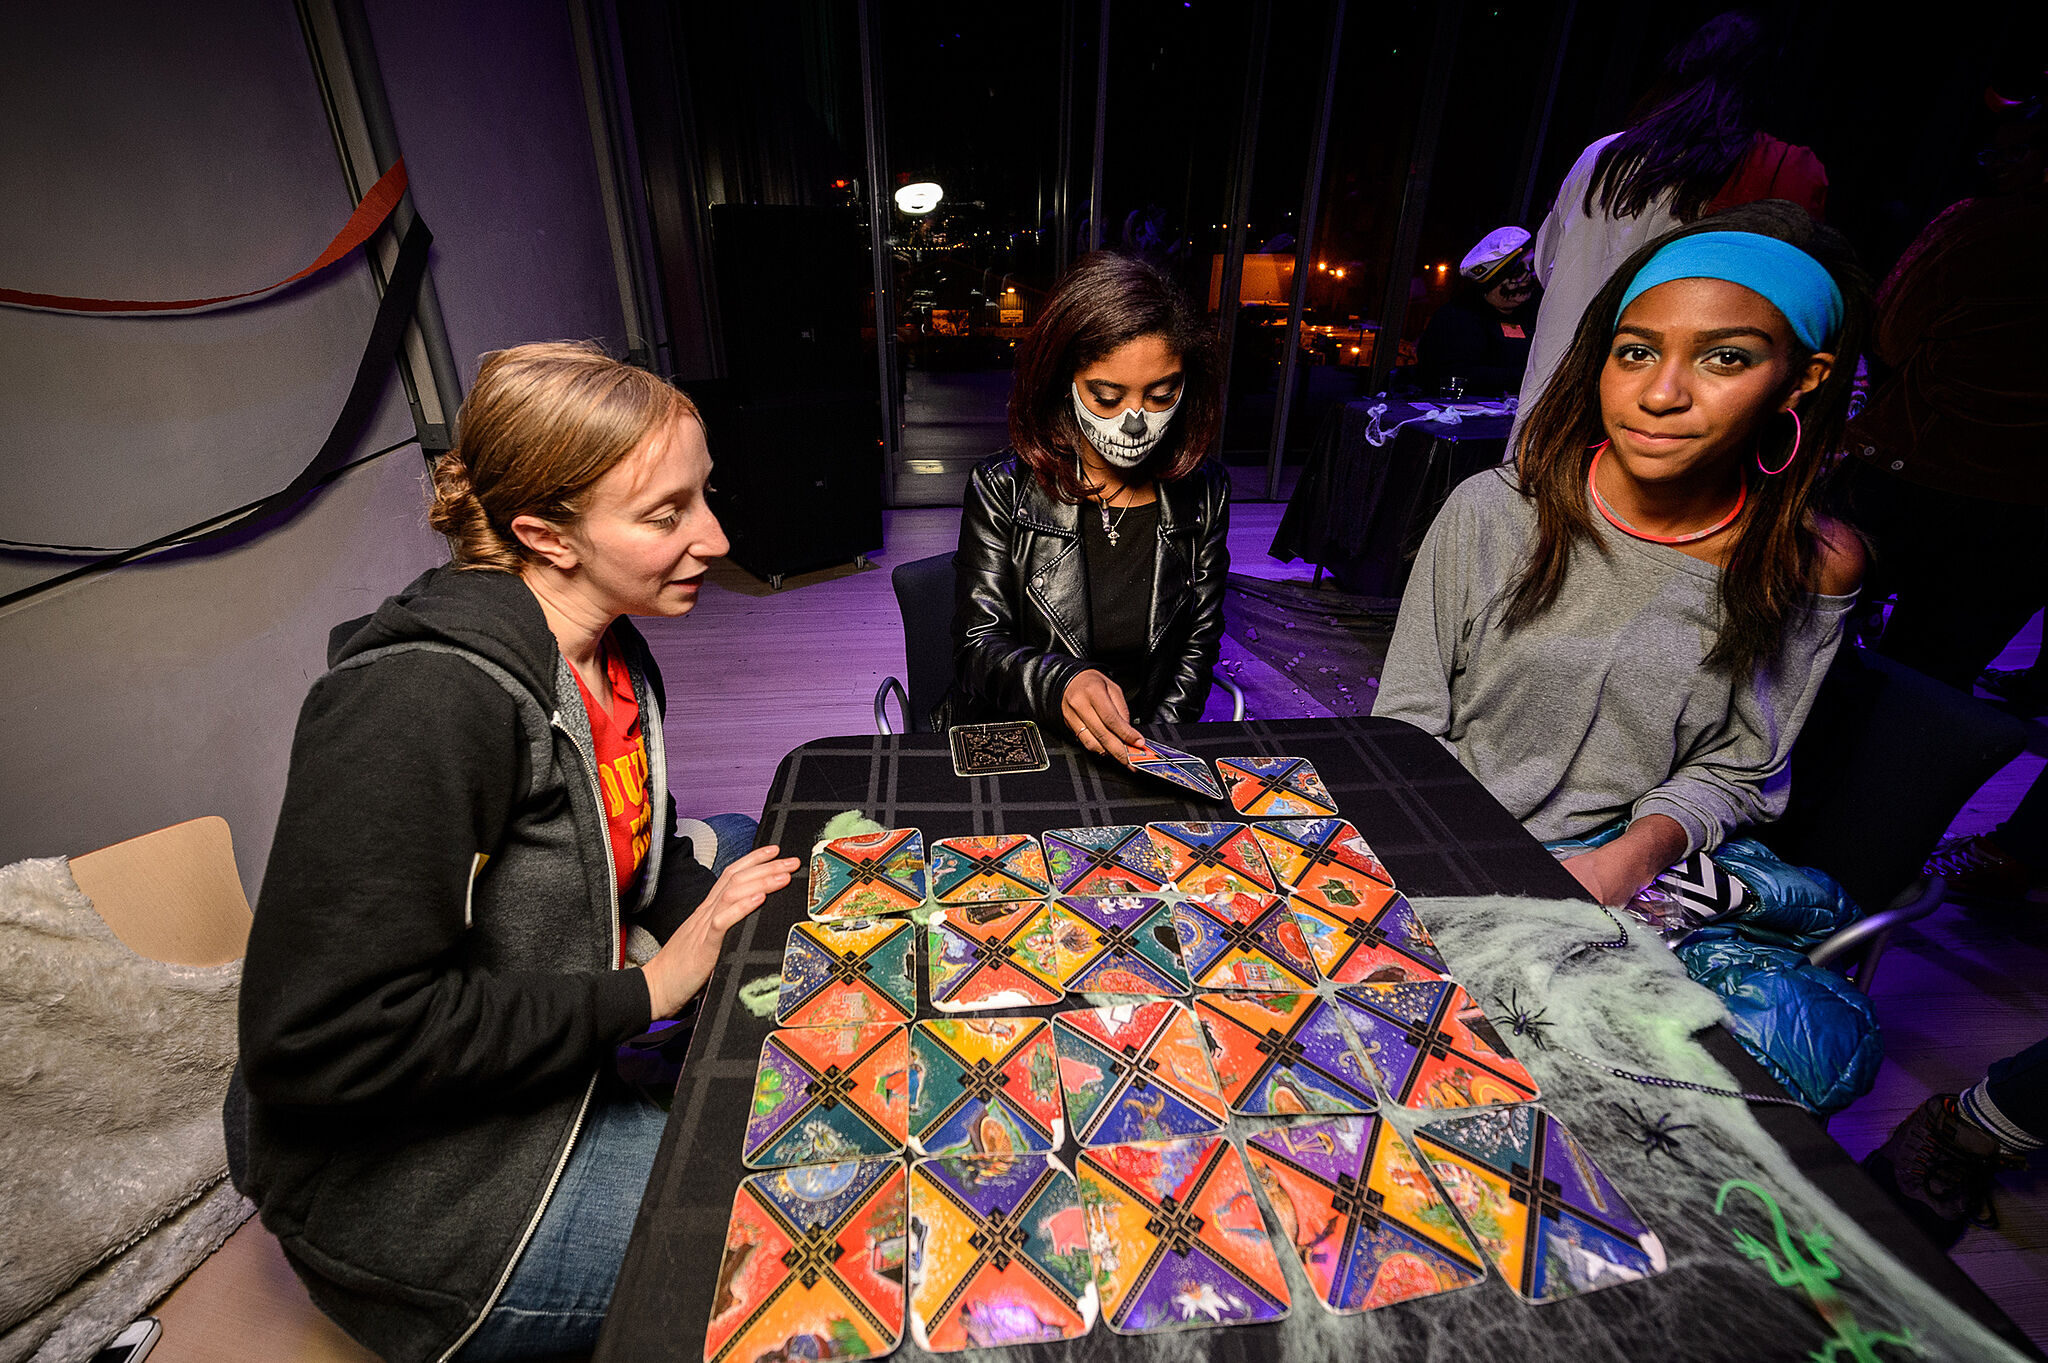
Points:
[(1126, 439)]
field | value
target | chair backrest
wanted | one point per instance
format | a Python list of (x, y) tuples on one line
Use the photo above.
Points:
[(924, 595), (1886, 760), (172, 895)]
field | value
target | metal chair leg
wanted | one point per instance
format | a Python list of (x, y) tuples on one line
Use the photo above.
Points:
[(1854, 951)]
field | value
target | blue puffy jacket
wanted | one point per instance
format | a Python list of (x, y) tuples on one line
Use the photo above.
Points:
[(1809, 1027)]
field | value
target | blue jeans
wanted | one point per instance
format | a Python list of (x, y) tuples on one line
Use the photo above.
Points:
[(562, 1286), (735, 835)]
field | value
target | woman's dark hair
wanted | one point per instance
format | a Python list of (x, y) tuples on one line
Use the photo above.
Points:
[(1700, 125), (1108, 300), (1772, 567)]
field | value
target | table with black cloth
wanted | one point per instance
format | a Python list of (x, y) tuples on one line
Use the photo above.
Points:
[(1437, 830), (1360, 510)]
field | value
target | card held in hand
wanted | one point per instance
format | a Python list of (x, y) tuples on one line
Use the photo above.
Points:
[(1010, 745), (1182, 769)]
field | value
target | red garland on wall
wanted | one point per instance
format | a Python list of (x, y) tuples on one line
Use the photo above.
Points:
[(360, 227)]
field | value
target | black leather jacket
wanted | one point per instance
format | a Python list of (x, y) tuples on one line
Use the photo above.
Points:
[(1021, 615)]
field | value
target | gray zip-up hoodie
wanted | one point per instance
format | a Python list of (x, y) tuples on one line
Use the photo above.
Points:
[(429, 992)]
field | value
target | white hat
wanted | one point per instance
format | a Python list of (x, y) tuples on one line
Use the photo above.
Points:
[(1492, 255)]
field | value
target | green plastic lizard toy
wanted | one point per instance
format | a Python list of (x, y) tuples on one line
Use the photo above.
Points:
[(1816, 1274)]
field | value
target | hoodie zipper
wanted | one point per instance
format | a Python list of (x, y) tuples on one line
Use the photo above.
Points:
[(611, 881)]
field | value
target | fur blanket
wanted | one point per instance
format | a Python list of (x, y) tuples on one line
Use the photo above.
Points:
[(112, 1167)]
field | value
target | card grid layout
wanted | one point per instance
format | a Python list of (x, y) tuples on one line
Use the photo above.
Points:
[(984, 1238)]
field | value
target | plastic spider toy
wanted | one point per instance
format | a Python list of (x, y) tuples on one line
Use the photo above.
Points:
[(1521, 1021), (1661, 1136)]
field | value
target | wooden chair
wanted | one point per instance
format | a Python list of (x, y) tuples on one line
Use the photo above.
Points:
[(174, 896)]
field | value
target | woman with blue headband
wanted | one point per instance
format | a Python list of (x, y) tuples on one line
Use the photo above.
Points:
[(1627, 626)]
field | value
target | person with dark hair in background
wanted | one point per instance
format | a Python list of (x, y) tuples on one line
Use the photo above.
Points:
[(1948, 466), (1480, 337), (1093, 550), (1625, 629), (1695, 149)]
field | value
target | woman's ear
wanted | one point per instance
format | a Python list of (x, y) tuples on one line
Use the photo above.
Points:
[(1818, 366), (546, 540)]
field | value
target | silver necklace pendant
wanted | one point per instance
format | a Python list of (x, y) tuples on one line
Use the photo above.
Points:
[(1108, 530)]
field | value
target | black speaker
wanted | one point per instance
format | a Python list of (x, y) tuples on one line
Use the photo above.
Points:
[(793, 285), (797, 484)]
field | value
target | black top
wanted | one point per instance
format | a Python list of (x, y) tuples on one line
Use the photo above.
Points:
[(1120, 590), (1469, 338), (1022, 629)]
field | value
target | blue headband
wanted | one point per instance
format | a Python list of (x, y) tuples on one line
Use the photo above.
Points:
[(1792, 281)]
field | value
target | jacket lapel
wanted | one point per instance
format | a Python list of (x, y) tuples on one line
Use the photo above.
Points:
[(1061, 520)]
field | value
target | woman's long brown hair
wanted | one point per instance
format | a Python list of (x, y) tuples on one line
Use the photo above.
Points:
[(1771, 570)]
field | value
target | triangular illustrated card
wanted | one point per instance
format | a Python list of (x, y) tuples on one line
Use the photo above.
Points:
[(1180, 1243), (992, 869), (829, 1093), (1431, 1045), (815, 1254), (1366, 1221), (1542, 1211), (1244, 942), (1274, 787), (984, 1086), (1182, 769), (1121, 944), (1325, 861), (1380, 941), (868, 875), (1119, 859), (983, 956), (848, 973), (1279, 1055), (1213, 858), (998, 1253), (1136, 1071)]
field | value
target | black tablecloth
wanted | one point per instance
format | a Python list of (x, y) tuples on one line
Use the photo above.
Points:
[(1438, 832), (1361, 510)]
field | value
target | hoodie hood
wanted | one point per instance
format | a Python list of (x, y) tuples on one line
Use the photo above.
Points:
[(489, 613)]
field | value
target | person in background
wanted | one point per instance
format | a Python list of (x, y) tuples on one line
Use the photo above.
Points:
[(1480, 337), (1626, 628), (1948, 464), (1696, 148), (474, 894), (1093, 551)]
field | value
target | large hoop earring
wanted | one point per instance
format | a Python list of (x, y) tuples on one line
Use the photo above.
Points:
[(1797, 435)]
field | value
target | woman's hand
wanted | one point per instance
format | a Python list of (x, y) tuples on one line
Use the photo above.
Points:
[(1614, 873), (1094, 709), (684, 962)]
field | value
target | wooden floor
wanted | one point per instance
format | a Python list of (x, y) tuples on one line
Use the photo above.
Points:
[(1957, 992)]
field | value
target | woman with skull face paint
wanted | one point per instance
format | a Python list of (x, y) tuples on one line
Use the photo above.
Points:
[(1089, 581), (1621, 633)]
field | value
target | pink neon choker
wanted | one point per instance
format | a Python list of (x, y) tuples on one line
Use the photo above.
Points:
[(1741, 496)]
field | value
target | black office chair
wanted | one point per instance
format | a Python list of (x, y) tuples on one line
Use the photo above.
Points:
[(1885, 762), (924, 597)]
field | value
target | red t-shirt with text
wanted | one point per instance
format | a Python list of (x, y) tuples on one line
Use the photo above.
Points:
[(621, 771)]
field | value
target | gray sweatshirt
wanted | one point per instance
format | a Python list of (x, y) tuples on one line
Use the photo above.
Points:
[(1600, 707)]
